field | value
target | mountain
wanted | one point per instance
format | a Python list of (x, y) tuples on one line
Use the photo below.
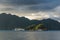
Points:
[(51, 24), (9, 22)]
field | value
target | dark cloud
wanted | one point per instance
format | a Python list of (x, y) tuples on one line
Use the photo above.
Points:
[(27, 2), (7, 9), (45, 6), (41, 8), (35, 5), (38, 5)]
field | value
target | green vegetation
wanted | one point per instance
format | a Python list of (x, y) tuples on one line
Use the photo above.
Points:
[(36, 27)]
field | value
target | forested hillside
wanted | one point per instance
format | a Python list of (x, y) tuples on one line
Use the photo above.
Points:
[(9, 22)]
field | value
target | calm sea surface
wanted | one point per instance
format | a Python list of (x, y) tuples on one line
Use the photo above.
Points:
[(44, 35)]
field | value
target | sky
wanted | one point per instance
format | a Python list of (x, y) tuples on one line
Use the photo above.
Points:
[(32, 9)]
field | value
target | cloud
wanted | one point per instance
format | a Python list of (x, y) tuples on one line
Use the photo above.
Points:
[(37, 8), (26, 2), (31, 5), (38, 16), (34, 5)]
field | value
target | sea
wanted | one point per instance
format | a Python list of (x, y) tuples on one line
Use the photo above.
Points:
[(29, 35)]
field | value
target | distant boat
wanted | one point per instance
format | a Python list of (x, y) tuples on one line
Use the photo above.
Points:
[(39, 30), (19, 29)]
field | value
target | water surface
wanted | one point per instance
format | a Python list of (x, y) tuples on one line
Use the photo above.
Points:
[(44, 35)]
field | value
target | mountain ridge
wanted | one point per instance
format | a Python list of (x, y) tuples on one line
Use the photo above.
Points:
[(9, 22)]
